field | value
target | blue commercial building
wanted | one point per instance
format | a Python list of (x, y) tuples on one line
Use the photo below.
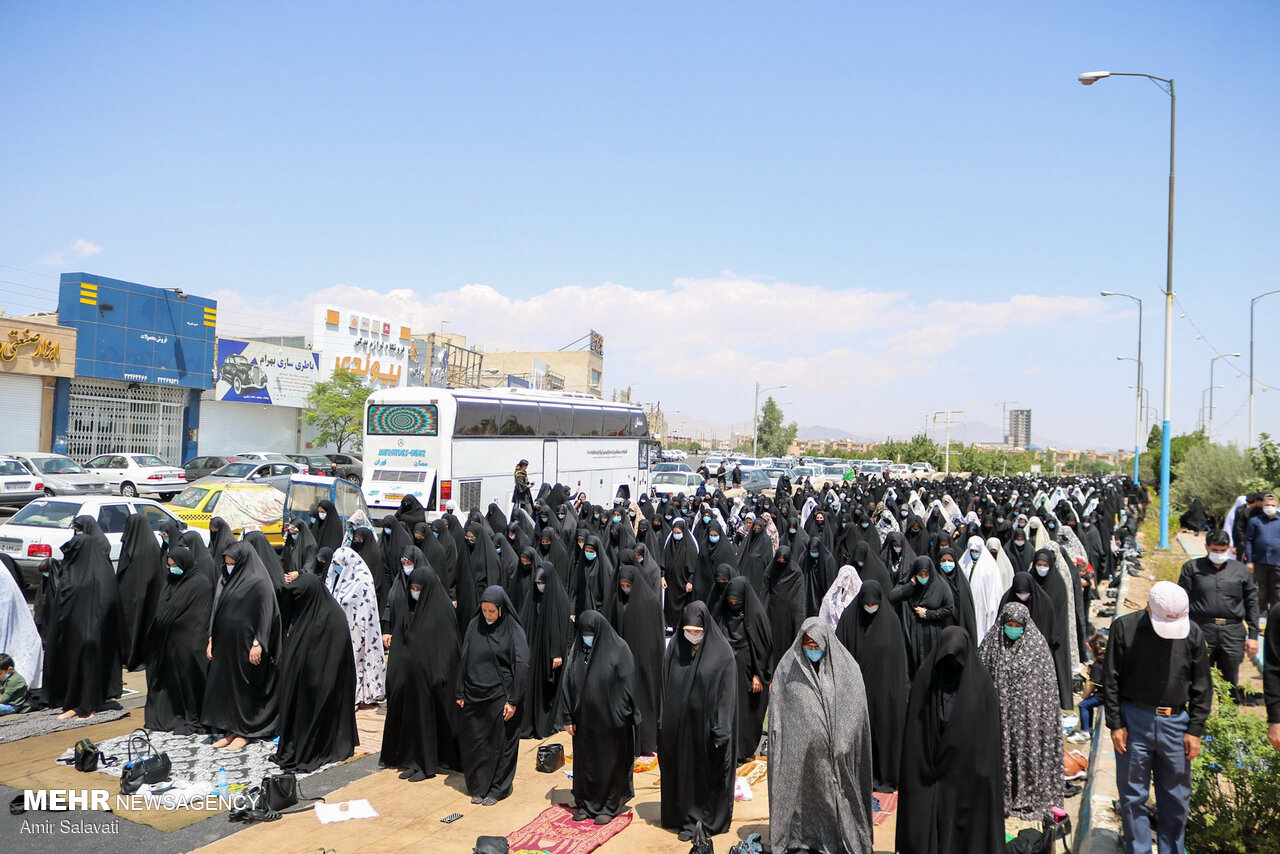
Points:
[(143, 356)]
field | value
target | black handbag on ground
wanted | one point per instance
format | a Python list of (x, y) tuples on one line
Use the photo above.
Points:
[(281, 791), (87, 756), (550, 757), (491, 845), (701, 841), (251, 805), (148, 767)]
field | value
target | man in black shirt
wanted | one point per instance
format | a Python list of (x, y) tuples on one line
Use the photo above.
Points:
[(1223, 600), (1252, 503), (1157, 693)]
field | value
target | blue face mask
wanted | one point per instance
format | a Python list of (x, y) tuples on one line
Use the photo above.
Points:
[(706, 520), (813, 554), (175, 570), (922, 580), (947, 566), (715, 538), (1013, 632), (589, 555), (813, 655), (588, 640)]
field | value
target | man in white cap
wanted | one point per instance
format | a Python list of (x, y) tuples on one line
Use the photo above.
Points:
[(1158, 694)]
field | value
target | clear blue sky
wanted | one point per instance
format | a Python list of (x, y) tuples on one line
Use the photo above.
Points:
[(933, 151)]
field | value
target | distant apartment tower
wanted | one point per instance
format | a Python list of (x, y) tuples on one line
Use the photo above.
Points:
[(1019, 428)]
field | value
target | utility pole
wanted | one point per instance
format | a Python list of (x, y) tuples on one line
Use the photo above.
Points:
[(1004, 418), (948, 413)]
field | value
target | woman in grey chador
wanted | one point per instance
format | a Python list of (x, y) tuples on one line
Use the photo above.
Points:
[(819, 748)]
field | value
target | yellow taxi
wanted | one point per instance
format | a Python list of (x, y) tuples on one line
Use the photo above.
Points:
[(242, 505)]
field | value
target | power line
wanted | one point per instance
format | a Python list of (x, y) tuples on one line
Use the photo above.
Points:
[(1186, 315)]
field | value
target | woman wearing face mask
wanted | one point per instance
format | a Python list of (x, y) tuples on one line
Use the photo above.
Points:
[(317, 682), (140, 575), (818, 566), (949, 788), (365, 544), (742, 619), (819, 748), (1021, 667), (175, 661), (998, 554), (600, 712), (949, 569), (419, 737), (508, 568), (983, 575), (351, 586), (1050, 582), (300, 549), (328, 526), (755, 556), (785, 601), (926, 607), (897, 556), (479, 569), (636, 615), (544, 615), (492, 676), (599, 573), (244, 640), (871, 631), (1020, 550), (696, 737), (679, 565), (716, 550)]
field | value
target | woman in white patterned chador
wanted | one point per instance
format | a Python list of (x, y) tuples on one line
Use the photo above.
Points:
[(351, 583)]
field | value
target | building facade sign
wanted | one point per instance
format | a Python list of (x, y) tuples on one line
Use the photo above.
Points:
[(257, 372), (374, 348), (137, 333), (41, 349)]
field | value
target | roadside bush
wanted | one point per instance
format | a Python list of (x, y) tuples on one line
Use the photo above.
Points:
[(1215, 474), (1235, 784)]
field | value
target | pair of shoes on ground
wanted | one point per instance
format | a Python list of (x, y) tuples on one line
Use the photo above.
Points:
[(1080, 737), (488, 802), (581, 815)]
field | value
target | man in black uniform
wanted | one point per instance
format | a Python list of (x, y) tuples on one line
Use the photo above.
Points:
[(1252, 503), (1224, 599), (1157, 693)]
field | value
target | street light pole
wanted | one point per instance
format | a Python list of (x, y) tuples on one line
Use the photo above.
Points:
[(935, 421), (1252, 303), (1137, 422), (1209, 421), (1165, 83)]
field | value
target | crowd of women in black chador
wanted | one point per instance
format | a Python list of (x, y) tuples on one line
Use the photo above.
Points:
[(647, 627)]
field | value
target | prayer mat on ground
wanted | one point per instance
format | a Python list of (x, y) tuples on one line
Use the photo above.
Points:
[(14, 727), (555, 832), (885, 805)]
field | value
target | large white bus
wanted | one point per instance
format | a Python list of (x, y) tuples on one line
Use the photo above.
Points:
[(463, 444)]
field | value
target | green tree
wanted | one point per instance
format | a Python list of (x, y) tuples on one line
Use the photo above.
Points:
[(773, 437), (1266, 462), (335, 407), (1215, 474)]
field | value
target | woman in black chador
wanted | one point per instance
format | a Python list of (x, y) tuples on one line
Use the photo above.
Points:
[(422, 674), (696, 735), (492, 677), (317, 681), (244, 641), (598, 698), (176, 663)]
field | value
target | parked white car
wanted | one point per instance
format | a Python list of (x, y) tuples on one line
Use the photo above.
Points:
[(62, 475), (898, 470), (139, 474), (38, 530), (675, 482), (17, 485)]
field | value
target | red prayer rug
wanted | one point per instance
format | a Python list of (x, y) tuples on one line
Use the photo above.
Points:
[(888, 803), (555, 832)]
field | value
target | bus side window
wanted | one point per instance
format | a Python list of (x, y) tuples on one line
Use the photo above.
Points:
[(616, 422), (477, 418), (587, 422), (556, 420), (519, 419)]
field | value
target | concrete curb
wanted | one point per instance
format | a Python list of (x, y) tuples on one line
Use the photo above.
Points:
[(1098, 827)]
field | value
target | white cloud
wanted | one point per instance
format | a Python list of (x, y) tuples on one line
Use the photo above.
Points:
[(80, 249), (862, 359)]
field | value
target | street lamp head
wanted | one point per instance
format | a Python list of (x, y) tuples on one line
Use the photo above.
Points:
[(1107, 293), (1091, 77)]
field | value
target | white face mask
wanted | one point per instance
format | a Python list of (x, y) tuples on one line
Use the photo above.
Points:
[(1042, 571), (677, 536), (407, 567), (541, 585), (1023, 596), (1218, 558), (692, 638), (1270, 509), (415, 593), (323, 515), (871, 609)]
